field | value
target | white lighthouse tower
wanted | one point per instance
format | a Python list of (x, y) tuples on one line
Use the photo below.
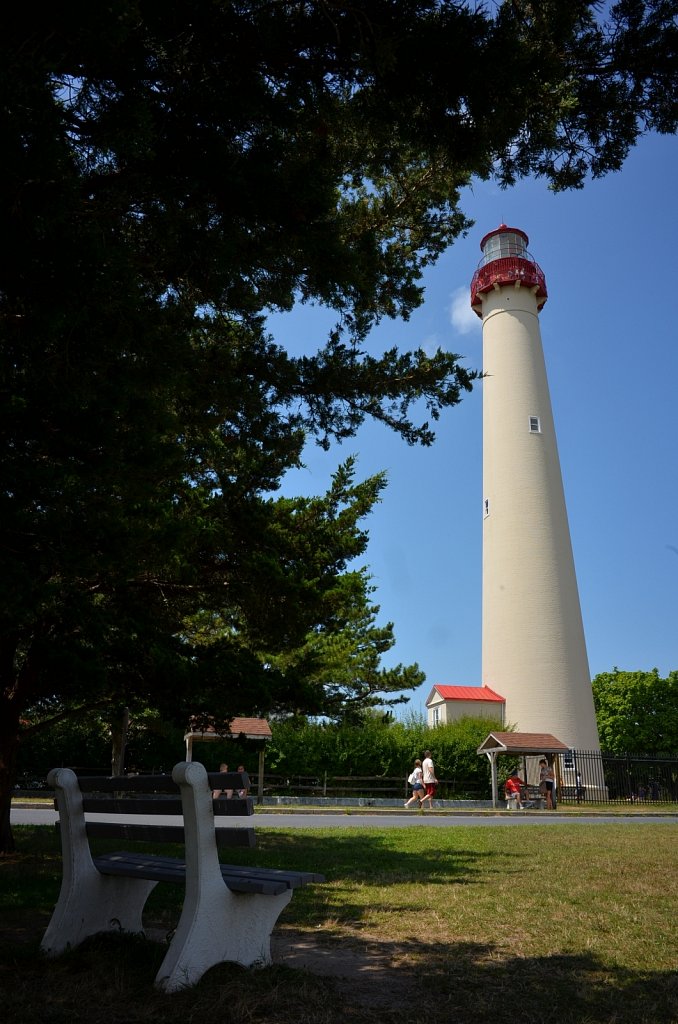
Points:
[(534, 650)]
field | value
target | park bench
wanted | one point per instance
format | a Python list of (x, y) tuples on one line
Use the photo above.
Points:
[(532, 799), (228, 911), (536, 798)]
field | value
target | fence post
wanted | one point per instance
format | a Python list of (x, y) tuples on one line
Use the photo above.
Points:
[(325, 784)]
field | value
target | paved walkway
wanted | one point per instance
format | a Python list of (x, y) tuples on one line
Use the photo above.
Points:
[(382, 819)]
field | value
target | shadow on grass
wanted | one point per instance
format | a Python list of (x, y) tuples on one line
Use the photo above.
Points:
[(362, 858), (481, 984), (374, 854), (108, 980)]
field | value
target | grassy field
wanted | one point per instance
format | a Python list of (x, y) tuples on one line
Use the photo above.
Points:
[(566, 924)]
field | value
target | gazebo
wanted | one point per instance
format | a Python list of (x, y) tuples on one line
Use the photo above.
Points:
[(525, 744), (256, 729)]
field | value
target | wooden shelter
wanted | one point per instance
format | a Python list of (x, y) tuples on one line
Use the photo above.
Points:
[(519, 744), (256, 729)]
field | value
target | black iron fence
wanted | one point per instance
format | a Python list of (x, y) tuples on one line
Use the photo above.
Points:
[(591, 777), (584, 777)]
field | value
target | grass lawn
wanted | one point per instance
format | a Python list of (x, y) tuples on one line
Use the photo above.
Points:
[(530, 925)]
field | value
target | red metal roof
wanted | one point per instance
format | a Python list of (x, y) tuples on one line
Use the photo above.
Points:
[(504, 229), (483, 693)]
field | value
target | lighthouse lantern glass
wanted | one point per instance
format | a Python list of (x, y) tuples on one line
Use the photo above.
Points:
[(504, 244)]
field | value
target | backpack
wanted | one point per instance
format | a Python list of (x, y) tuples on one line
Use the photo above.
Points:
[(412, 778)]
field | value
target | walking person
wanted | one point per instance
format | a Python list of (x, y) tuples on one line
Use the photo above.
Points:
[(416, 781), (430, 781)]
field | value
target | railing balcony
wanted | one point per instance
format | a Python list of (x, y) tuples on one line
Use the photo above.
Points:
[(509, 270)]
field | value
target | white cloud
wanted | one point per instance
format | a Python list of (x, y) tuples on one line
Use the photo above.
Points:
[(462, 317), (431, 344)]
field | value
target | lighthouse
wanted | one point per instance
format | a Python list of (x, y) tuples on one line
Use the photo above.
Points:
[(533, 644)]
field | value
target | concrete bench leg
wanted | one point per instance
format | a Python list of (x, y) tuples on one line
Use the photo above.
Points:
[(95, 903), (215, 924), (88, 902), (220, 926)]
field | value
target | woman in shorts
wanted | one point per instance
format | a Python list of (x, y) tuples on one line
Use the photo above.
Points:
[(416, 780)]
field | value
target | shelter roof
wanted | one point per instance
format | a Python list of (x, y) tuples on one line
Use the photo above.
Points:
[(250, 728), (483, 693), (522, 743)]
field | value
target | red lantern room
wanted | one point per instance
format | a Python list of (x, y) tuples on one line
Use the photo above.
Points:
[(506, 261)]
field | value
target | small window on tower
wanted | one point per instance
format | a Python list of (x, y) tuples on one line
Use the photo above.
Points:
[(486, 507), (535, 425)]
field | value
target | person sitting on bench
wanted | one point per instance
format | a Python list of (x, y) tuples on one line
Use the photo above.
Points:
[(216, 793), (513, 787)]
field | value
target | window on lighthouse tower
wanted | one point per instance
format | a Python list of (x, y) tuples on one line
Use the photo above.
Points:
[(535, 425)]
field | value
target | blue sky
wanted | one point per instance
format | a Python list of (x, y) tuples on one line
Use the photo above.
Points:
[(610, 335)]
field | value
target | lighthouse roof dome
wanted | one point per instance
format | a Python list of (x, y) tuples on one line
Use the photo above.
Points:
[(503, 229)]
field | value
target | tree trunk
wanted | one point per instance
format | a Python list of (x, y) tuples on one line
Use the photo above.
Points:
[(9, 749), (119, 743)]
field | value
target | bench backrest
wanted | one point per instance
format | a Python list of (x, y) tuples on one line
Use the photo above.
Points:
[(146, 795)]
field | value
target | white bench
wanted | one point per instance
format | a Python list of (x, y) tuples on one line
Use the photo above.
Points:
[(228, 911), (531, 799)]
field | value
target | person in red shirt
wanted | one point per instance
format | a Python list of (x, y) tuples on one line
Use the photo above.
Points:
[(513, 787)]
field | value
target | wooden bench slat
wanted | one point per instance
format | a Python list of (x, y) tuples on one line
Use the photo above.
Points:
[(228, 780), (294, 879), (232, 807), (132, 805), (168, 869), (234, 872), (156, 783), (290, 879), (127, 784), (225, 837)]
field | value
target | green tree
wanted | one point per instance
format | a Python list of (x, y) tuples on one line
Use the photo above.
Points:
[(341, 659), (636, 712), (277, 586), (172, 173)]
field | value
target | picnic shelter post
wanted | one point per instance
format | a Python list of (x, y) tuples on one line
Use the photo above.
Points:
[(256, 729)]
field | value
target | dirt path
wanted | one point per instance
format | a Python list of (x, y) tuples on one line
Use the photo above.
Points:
[(370, 975), (374, 975)]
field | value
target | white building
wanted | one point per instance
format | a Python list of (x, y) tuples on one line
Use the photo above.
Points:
[(446, 704)]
